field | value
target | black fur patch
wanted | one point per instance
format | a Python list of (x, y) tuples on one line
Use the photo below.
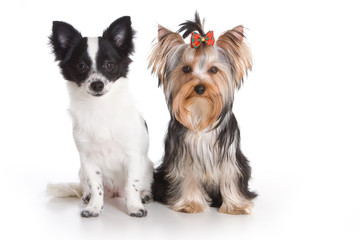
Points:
[(71, 49), (147, 130), (174, 148), (191, 26)]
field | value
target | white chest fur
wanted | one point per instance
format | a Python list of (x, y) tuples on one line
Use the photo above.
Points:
[(107, 128)]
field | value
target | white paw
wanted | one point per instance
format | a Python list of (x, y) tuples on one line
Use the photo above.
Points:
[(137, 211), (91, 212)]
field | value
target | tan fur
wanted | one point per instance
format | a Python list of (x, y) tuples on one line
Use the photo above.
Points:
[(235, 210), (234, 203), (167, 40), (190, 207), (192, 199), (238, 52), (197, 112)]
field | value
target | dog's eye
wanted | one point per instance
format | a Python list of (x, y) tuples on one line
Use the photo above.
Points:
[(109, 66), (213, 70), (81, 67), (186, 69)]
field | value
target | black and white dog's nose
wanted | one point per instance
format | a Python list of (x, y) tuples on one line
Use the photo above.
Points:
[(199, 89), (97, 86)]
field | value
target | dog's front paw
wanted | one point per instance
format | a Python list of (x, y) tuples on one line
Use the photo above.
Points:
[(141, 212), (235, 210), (146, 196), (190, 207), (90, 212)]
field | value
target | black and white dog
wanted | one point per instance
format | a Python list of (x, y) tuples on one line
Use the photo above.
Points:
[(110, 134)]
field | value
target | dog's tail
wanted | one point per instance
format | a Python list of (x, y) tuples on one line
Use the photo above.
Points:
[(62, 190)]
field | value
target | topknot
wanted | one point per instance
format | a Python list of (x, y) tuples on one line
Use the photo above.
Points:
[(191, 26)]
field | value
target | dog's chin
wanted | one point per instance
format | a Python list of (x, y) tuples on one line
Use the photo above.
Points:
[(197, 113), (96, 94)]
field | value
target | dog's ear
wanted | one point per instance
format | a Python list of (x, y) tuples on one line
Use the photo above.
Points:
[(64, 37), (167, 40), (121, 34), (237, 52), (162, 32)]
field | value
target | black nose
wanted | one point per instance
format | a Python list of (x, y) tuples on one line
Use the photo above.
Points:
[(97, 86), (200, 89)]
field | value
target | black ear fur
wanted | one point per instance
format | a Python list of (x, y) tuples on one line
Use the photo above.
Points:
[(121, 34), (64, 37)]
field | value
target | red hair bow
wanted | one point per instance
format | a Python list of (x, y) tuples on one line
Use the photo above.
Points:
[(197, 39)]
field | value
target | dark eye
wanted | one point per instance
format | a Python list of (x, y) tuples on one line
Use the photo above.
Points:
[(213, 70), (109, 66), (81, 67), (186, 69)]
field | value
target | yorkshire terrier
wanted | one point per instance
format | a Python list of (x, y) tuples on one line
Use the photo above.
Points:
[(203, 165)]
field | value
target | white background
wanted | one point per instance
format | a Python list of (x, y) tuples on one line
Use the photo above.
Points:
[(298, 112)]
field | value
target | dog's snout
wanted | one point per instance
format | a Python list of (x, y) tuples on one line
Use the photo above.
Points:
[(97, 86), (200, 89)]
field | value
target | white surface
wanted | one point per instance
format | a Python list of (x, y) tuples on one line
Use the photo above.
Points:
[(298, 113)]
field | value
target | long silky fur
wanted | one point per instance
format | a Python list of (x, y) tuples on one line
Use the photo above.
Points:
[(237, 52), (161, 52), (228, 134), (203, 167)]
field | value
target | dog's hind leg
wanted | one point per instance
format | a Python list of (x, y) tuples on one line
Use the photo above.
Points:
[(160, 186), (146, 182)]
